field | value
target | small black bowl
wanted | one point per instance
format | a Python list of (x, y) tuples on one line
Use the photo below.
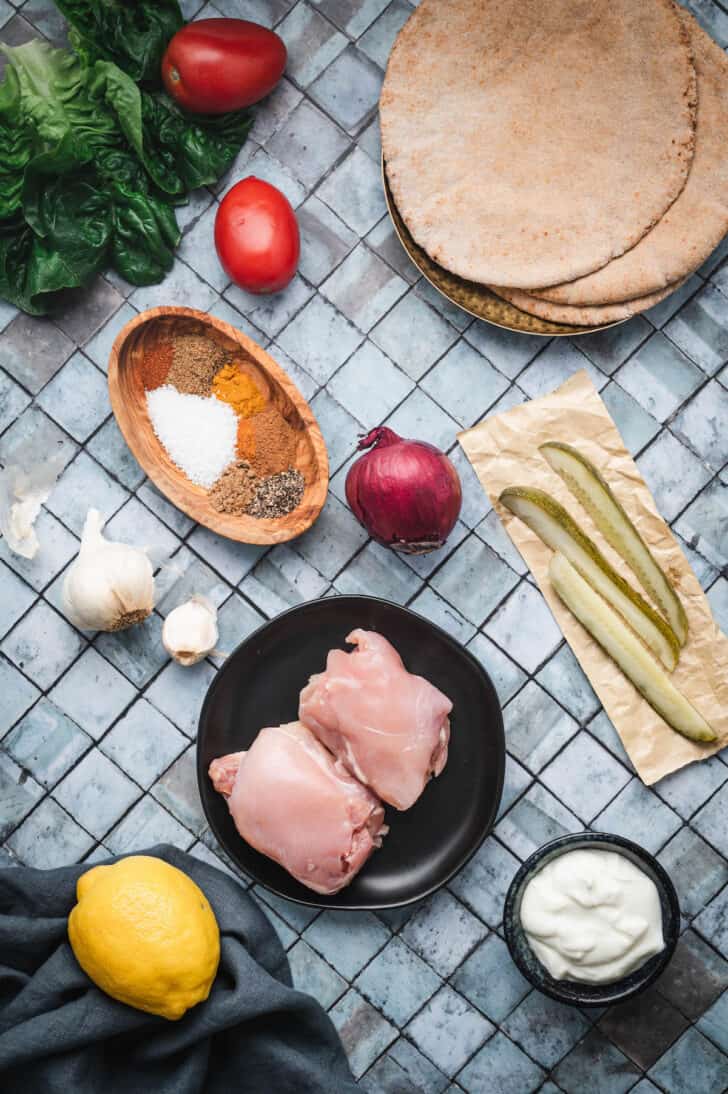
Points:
[(259, 685), (573, 992)]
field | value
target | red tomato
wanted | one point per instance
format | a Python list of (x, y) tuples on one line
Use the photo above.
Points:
[(256, 236), (217, 65)]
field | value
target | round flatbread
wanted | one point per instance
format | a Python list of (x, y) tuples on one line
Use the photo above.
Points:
[(529, 143), (581, 317), (696, 222)]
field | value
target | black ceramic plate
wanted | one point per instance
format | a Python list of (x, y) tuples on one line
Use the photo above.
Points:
[(259, 686)]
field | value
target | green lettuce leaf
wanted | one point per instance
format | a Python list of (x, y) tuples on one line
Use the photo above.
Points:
[(61, 241), (91, 168), (131, 33), (198, 149), (15, 146), (146, 233)]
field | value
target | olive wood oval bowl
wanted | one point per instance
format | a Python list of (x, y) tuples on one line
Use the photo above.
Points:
[(128, 402)]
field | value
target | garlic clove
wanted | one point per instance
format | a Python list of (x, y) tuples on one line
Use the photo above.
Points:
[(190, 631), (109, 586)]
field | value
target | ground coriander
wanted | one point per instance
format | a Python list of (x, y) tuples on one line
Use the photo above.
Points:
[(234, 490)]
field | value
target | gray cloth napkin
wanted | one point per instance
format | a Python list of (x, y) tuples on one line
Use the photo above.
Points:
[(60, 1034)]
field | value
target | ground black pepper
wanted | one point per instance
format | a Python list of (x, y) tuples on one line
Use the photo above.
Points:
[(277, 495)]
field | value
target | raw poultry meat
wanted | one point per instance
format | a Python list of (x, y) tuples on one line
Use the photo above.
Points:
[(291, 800), (389, 727)]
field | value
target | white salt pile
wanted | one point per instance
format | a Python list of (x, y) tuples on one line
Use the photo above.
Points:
[(198, 433)]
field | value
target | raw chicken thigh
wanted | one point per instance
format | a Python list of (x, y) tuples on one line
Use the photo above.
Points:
[(291, 800), (389, 727)]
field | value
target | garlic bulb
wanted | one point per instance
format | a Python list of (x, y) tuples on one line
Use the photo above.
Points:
[(110, 586), (190, 631)]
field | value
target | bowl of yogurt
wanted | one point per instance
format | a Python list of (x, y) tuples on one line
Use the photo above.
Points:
[(591, 919)]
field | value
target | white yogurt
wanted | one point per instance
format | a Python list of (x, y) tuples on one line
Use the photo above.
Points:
[(592, 915)]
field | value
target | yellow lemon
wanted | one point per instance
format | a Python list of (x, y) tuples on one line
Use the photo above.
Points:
[(146, 935)]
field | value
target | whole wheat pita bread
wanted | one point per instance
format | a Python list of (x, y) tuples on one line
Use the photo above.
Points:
[(581, 317), (528, 143), (695, 223)]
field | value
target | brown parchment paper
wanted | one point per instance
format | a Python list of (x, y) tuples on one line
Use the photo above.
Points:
[(504, 452)]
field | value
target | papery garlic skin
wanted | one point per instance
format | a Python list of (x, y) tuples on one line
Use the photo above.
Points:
[(110, 586), (190, 631)]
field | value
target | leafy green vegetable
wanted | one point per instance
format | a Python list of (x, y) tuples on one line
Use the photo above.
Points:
[(15, 147), (193, 150), (91, 168), (180, 152), (131, 33)]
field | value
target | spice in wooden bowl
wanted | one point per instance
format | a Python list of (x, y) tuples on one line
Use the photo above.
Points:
[(235, 387), (196, 361), (195, 390)]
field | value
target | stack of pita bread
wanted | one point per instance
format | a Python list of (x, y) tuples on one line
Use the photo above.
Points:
[(571, 155)]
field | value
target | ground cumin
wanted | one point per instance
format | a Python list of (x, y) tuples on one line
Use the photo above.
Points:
[(156, 364), (275, 443), (195, 362), (235, 490)]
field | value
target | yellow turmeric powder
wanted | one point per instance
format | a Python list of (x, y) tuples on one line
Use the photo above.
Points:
[(235, 387)]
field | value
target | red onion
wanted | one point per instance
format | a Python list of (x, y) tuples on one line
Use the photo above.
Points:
[(406, 493)]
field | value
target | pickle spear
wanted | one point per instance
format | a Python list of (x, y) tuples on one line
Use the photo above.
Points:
[(550, 521), (614, 636), (591, 490)]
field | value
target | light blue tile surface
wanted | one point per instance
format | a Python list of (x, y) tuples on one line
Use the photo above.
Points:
[(349, 89), (97, 791), (490, 980), (50, 837), (659, 377), (77, 397), (311, 41), (443, 932), (42, 644), (456, 378), (696, 869), (534, 819), (483, 883), (364, 288), (536, 727), (350, 945), (143, 743), (364, 1033), (325, 240), (320, 339), (600, 777), (501, 1065), (524, 627), (146, 825), (637, 811), (368, 340), (448, 1030), (598, 1063), (413, 335), (397, 982), (692, 1066), (46, 742), (93, 693), (369, 385), (547, 1030)]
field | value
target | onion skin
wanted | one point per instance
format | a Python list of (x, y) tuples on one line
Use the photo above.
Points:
[(407, 494)]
